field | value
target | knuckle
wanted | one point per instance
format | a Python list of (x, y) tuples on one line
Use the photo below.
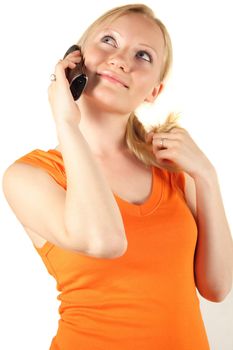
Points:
[(177, 130), (59, 63), (173, 130)]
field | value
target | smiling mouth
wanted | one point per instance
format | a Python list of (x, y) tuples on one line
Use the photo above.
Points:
[(113, 80)]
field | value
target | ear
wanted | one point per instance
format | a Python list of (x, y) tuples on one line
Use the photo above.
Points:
[(154, 93)]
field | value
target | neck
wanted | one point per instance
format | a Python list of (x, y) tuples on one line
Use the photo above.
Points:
[(103, 130)]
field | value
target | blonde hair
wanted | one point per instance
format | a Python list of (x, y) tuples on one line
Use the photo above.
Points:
[(135, 135)]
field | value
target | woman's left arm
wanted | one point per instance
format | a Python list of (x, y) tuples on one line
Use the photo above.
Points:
[(213, 265)]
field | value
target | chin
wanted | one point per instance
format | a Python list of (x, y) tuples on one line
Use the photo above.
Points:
[(109, 101)]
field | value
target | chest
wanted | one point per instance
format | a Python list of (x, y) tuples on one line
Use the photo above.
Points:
[(128, 179)]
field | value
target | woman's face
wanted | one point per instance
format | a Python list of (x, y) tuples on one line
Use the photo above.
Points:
[(123, 60)]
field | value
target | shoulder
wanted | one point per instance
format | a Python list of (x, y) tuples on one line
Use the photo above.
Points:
[(19, 173), (23, 167), (37, 165)]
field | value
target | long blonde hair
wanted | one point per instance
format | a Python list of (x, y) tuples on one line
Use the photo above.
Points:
[(135, 135)]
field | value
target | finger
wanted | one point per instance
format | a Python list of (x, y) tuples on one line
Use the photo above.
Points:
[(165, 143), (163, 158), (75, 52), (177, 130), (165, 135), (72, 52), (152, 135), (65, 62), (59, 73), (62, 65), (161, 143)]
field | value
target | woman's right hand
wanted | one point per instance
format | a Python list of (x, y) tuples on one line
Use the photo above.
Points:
[(63, 106)]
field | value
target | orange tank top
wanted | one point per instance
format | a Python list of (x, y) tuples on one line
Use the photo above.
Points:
[(143, 300)]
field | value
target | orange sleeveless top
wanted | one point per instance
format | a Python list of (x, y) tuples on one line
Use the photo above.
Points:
[(143, 300)]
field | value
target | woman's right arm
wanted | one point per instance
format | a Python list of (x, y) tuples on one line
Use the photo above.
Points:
[(90, 206), (85, 218)]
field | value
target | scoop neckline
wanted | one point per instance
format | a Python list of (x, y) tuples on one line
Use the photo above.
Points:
[(151, 202)]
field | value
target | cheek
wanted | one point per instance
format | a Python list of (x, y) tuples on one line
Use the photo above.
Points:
[(93, 58), (142, 84), (146, 81)]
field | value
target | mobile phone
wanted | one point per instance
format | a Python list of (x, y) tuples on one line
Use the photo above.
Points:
[(76, 76)]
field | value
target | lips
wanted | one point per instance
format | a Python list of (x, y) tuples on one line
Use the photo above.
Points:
[(113, 77)]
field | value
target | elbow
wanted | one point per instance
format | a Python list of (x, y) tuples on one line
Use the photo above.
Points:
[(215, 295), (222, 295), (214, 288), (115, 249), (111, 250), (109, 247)]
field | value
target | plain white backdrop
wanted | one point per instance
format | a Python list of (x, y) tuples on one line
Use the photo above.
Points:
[(34, 36)]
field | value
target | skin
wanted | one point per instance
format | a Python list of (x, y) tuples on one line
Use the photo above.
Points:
[(106, 106), (116, 48)]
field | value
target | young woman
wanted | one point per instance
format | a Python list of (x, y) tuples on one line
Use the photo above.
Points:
[(129, 223)]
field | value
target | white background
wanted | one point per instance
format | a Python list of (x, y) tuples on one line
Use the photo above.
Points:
[(34, 35)]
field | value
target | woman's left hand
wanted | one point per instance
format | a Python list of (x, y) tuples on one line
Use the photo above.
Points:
[(178, 147)]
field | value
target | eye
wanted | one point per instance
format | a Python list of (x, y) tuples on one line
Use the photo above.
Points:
[(108, 39), (144, 56)]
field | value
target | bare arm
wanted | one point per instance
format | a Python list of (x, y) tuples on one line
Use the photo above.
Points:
[(85, 218), (214, 251), (90, 205)]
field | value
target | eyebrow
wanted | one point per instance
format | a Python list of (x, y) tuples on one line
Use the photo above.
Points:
[(142, 44)]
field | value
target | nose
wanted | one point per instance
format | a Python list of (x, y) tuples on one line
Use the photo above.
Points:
[(119, 60)]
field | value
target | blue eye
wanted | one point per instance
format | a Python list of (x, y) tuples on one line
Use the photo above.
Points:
[(108, 39), (144, 55)]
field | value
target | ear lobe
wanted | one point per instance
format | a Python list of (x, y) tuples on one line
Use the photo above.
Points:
[(154, 93)]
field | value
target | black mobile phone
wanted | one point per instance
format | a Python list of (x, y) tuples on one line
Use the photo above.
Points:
[(76, 76)]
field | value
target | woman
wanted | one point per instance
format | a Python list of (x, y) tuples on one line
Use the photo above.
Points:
[(129, 223)]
